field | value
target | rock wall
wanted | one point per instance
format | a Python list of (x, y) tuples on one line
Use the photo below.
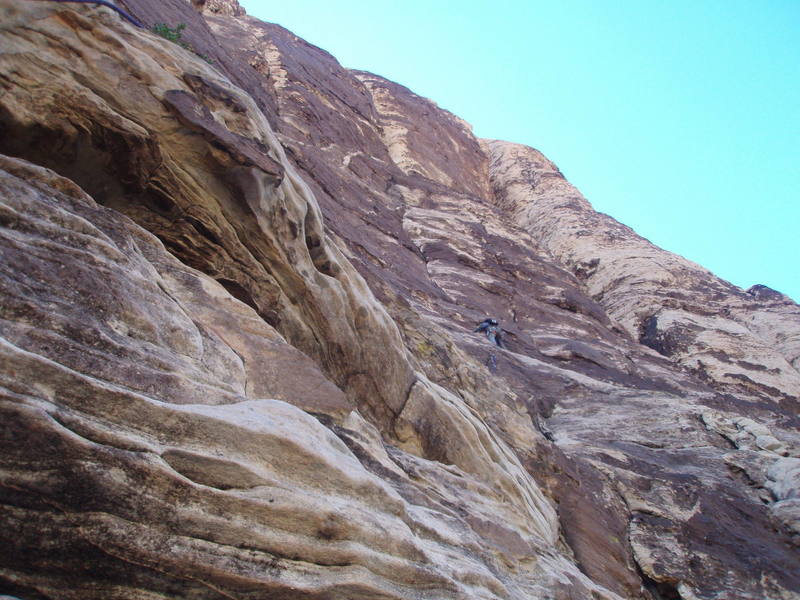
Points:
[(665, 301), (239, 285)]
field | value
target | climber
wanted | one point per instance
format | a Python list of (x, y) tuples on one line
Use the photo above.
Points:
[(493, 331)]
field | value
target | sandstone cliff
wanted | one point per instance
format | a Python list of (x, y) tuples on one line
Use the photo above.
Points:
[(239, 284)]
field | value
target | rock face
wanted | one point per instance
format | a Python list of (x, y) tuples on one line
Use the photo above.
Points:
[(746, 342), (237, 352)]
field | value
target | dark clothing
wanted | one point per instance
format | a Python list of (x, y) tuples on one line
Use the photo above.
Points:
[(493, 331)]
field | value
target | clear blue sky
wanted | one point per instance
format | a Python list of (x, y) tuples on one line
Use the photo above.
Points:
[(679, 118)]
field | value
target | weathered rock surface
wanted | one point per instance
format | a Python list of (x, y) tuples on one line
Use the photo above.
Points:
[(748, 342), (237, 354)]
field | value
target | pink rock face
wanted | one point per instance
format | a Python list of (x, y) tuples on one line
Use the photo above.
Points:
[(238, 359), (228, 8)]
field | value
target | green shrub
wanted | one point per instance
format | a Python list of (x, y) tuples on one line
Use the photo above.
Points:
[(173, 35)]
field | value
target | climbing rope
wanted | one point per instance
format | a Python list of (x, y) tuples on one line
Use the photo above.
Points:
[(125, 15)]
